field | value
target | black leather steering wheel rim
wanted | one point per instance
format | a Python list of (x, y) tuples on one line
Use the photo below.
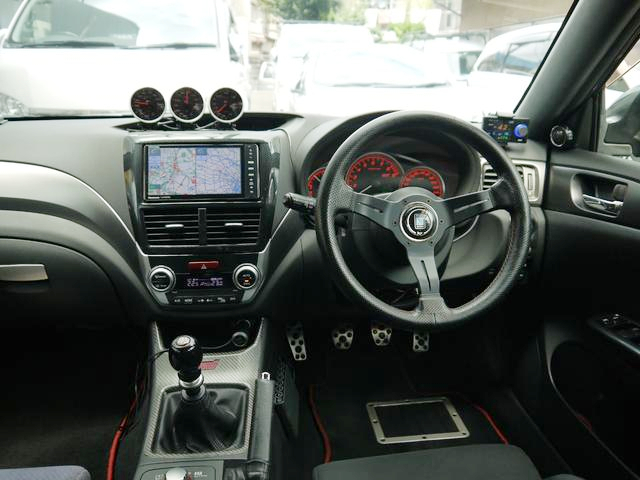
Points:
[(508, 193)]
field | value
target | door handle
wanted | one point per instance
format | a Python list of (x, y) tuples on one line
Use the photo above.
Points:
[(612, 207)]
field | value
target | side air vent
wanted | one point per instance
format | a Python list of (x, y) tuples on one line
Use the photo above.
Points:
[(528, 175), (233, 227), (172, 227), (489, 176)]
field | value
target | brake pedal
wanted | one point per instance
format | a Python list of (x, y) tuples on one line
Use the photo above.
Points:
[(381, 334), (342, 337), (420, 342), (295, 339)]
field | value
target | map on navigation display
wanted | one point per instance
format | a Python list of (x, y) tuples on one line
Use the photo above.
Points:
[(194, 170)]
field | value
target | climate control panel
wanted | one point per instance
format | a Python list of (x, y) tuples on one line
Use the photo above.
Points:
[(203, 282)]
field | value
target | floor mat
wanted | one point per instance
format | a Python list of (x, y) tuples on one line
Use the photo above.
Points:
[(353, 380), (64, 403)]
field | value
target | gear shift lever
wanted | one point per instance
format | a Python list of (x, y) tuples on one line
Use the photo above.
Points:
[(185, 356)]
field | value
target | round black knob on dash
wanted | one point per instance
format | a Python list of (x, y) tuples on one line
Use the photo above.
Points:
[(185, 355)]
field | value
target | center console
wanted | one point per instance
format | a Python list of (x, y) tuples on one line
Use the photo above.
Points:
[(204, 207)]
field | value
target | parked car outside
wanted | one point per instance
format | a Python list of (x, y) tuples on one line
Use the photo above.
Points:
[(349, 81), (456, 56), (58, 56), (296, 40), (507, 63)]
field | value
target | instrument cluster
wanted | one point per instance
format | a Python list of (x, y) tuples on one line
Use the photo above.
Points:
[(381, 172), (187, 105)]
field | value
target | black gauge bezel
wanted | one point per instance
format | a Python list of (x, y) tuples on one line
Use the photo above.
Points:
[(182, 119), (143, 120), (212, 110)]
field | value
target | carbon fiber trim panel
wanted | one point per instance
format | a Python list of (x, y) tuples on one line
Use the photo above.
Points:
[(238, 368)]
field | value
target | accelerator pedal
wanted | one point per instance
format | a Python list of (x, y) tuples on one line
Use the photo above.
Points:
[(420, 342)]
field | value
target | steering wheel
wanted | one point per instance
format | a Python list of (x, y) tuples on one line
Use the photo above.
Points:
[(419, 220)]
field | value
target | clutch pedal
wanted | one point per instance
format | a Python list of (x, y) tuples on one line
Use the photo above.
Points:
[(295, 339), (420, 342), (342, 337), (381, 334)]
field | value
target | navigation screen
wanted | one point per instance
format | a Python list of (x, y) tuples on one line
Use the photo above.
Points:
[(190, 170)]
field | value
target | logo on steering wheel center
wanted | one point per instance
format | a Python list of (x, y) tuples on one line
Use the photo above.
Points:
[(418, 221)]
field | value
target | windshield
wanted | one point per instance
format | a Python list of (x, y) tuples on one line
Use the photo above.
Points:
[(117, 23), (467, 58), (394, 66)]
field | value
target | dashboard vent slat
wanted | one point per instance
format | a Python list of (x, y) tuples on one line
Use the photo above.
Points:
[(238, 227), (172, 227), (490, 177), (191, 227)]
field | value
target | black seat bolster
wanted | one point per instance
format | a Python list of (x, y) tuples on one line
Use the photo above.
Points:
[(471, 462), (67, 472)]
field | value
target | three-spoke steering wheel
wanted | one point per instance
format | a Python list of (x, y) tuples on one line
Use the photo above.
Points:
[(419, 220)]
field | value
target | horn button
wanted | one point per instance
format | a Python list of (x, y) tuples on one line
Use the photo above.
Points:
[(418, 221)]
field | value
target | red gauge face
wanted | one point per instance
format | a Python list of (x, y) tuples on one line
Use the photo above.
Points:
[(374, 173), (313, 182), (424, 177)]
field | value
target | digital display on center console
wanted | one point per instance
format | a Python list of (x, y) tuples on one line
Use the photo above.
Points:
[(179, 171), (204, 281)]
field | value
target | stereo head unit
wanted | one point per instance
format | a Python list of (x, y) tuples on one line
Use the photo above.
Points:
[(200, 172)]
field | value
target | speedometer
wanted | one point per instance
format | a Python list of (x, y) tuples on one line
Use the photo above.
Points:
[(424, 177), (313, 182), (374, 173)]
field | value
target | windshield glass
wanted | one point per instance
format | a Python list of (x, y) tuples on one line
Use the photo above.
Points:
[(139, 23), (342, 57)]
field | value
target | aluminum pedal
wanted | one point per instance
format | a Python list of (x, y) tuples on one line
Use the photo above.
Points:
[(295, 339), (381, 334), (420, 342), (342, 337)]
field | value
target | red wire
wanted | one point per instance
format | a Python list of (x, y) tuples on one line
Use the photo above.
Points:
[(323, 433), (489, 418), (115, 443)]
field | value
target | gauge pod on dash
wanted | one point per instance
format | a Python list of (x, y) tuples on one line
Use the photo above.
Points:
[(147, 105), (187, 105), (226, 105)]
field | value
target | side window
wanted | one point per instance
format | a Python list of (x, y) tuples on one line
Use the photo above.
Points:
[(492, 63), (620, 132), (524, 58)]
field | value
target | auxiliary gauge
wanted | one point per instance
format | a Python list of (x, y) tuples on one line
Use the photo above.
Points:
[(147, 105), (187, 105), (226, 105)]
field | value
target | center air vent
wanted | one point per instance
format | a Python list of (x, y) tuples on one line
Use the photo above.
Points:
[(193, 227), (172, 227), (233, 227)]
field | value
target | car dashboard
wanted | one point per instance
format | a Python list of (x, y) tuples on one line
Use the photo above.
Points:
[(78, 202)]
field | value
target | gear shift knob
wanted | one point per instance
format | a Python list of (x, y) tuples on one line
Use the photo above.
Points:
[(185, 356)]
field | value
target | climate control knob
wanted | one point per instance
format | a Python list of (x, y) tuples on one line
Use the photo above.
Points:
[(162, 279), (246, 276), (176, 474)]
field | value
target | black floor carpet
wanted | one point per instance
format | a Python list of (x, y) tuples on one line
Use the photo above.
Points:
[(347, 380), (63, 398)]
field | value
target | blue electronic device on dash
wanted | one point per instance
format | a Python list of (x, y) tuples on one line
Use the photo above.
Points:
[(506, 128)]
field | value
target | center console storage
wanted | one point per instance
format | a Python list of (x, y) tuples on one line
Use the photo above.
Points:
[(210, 409)]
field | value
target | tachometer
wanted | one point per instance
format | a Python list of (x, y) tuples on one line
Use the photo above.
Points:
[(424, 177), (187, 105), (374, 173), (313, 182), (147, 104), (226, 105)]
